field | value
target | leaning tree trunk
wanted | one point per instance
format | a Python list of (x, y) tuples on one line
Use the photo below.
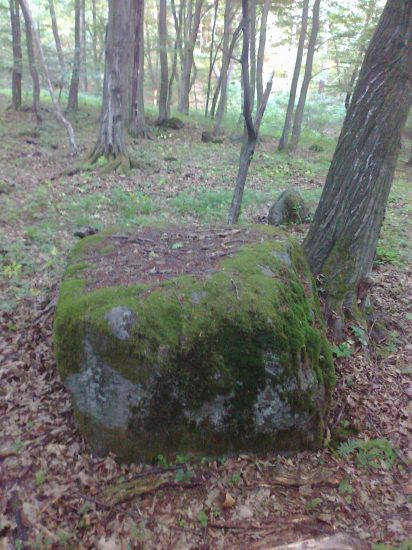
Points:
[(297, 123), (110, 142), (251, 127), (58, 43), (32, 61), (342, 240), (193, 23), (361, 51), (56, 106), (17, 54), (73, 102), (261, 50), (294, 86), (164, 68)]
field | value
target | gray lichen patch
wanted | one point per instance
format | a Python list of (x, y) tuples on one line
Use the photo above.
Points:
[(120, 320)]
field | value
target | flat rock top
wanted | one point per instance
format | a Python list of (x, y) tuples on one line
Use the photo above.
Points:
[(147, 254)]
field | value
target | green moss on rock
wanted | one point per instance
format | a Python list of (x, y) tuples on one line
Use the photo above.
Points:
[(235, 359)]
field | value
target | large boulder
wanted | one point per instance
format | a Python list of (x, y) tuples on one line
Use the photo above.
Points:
[(288, 208), (193, 341)]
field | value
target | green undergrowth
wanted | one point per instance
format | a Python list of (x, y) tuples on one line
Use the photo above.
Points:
[(196, 185)]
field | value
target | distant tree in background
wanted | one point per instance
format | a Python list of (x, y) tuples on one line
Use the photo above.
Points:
[(137, 123), (164, 104), (298, 118), (57, 41), (73, 102), (32, 63), (284, 140), (188, 34), (17, 53)]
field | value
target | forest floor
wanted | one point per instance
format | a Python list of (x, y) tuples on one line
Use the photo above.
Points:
[(52, 488)]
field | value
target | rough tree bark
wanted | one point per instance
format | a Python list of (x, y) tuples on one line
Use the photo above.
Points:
[(164, 68), (73, 101), (56, 107), (261, 50), (252, 127), (192, 29), (300, 108), (17, 54), (284, 140), (58, 43), (371, 7), (32, 61), (342, 240), (110, 142)]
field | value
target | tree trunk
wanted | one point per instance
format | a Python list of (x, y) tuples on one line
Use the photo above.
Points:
[(110, 142), (58, 43), (297, 123), (253, 15), (362, 49), (83, 48), (164, 68), (192, 29), (32, 61), (73, 102), (342, 240), (294, 86), (57, 111), (252, 128), (17, 54), (137, 124), (216, 95), (261, 51), (212, 59), (226, 55), (96, 64)]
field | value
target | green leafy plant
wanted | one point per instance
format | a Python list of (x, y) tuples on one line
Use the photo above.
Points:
[(39, 478), (12, 270), (202, 518), (161, 461), (183, 476), (375, 453), (313, 504), (346, 490), (360, 334), (342, 350)]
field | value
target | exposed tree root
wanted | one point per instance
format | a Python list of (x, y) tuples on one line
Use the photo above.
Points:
[(123, 492)]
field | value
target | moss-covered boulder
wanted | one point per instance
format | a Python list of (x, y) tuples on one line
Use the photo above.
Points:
[(198, 341), (288, 208)]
